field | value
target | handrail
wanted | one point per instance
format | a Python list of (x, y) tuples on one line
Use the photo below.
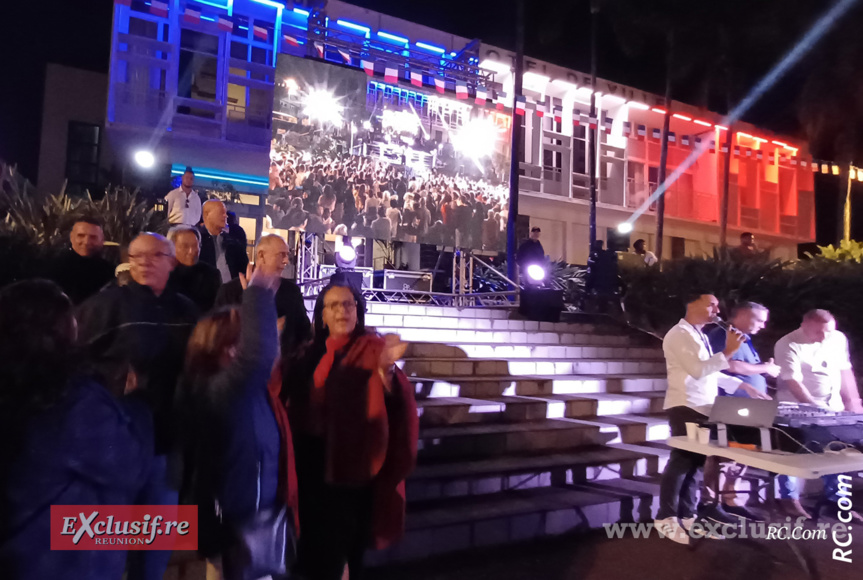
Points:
[(510, 282)]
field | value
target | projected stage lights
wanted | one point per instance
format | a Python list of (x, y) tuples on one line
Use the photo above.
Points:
[(477, 138), (536, 273), (624, 228), (400, 121), (321, 105), (144, 159), (346, 257)]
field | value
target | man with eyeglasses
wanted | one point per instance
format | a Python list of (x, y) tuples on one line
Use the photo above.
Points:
[(184, 204), (134, 338)]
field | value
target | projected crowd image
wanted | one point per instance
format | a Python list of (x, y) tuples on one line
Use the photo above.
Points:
[(354, 156)]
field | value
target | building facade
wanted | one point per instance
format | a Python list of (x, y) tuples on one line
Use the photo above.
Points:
[(193, 82)]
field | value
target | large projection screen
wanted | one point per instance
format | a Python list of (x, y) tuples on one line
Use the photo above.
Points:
[(354, 155)]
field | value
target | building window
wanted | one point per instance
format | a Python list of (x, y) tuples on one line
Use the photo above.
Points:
[(199, 65), (82, 156)]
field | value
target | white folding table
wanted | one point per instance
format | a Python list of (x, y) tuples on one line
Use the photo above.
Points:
[(804, 465)]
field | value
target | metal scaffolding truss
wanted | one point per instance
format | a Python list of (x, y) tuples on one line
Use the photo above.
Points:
[(463, 67)]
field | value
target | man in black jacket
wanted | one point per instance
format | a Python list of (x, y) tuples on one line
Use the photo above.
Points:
[(271, 256), (81, 271), (135, 337), (218, 249), (192, 278)]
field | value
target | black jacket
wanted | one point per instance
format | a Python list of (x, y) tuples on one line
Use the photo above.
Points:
[(199, 283), (530, 252), (235, 253), (289, 304), (80, 277), (127, 328)]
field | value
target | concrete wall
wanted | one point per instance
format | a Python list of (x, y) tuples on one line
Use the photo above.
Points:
[(71, 94)]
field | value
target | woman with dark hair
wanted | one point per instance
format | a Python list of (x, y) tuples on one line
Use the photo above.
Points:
[(355, 436), (235, 433), (64, 440)]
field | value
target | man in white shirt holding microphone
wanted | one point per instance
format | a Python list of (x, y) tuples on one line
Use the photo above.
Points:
[(694, 378)]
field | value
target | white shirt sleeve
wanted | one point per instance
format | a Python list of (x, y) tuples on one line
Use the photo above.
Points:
[(728, 383), (788, 360), (171, 200), (685, 349)]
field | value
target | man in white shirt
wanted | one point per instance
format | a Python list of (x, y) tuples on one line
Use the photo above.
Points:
[(815, 370), (184, 205), (694, 378), (648, 256)]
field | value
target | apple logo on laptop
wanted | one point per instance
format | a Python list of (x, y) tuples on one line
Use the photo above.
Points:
[(743, 412)]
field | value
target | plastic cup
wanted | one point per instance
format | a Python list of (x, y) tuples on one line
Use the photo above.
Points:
[(704, 435), (692, 431)]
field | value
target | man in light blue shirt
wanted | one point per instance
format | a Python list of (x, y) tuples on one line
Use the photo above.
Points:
[(745, 364)]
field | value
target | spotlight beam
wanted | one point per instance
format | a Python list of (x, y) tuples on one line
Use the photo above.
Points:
[(804, 45)]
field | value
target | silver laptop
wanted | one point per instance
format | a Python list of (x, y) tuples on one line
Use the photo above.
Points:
[(744, 411)]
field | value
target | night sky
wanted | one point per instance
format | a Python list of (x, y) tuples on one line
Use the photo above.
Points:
[(78, 34)]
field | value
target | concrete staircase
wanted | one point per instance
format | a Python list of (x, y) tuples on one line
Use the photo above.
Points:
[(526, 428)]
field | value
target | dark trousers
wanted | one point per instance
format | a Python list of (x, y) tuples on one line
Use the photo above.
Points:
[(682, 476), (335, 521)]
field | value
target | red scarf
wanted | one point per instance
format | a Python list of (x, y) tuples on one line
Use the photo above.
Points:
[(287, 488), (371, 436)]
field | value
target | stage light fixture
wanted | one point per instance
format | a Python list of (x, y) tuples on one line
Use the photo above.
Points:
[(346, 257), (367, 125), (145, 159), (624, 228), (323, 106), (536, 272)]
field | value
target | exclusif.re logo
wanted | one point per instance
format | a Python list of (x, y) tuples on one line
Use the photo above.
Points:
[(124, 527)]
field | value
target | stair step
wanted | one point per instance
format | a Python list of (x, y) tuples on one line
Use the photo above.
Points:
[(536, 352), (603, 404), (459, 524), (457, 410), (500, 337), (475, 318), (478, 440), (443, 367), (492, 386), (524, 471)]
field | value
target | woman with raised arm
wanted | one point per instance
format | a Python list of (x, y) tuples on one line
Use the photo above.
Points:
[(236, 438), (355, 435)]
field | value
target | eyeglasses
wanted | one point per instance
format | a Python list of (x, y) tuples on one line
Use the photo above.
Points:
[(187, 203), (347, 305), (148, 257)]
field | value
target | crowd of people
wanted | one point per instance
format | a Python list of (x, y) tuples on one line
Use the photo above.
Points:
[(707, 360), (362, 196), (194, 378)]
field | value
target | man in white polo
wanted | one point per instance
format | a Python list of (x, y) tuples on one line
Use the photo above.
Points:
[(184, 205), (815, 370)]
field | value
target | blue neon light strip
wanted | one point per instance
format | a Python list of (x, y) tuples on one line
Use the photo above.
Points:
[(270, 3), (208, 19), (430, 47), (220, 176), (353, 25), (301, 12), (226, 6), (392, 37)]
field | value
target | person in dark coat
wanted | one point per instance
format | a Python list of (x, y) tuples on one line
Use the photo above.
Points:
[(197, 281), (235, 230), (81, 271), (355, 436), (217, 248), (531, 250), (235, 445), (63, 439), (135, 335), (271, 256)]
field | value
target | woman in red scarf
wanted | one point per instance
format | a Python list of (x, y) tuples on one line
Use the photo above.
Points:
[(355, 430)]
